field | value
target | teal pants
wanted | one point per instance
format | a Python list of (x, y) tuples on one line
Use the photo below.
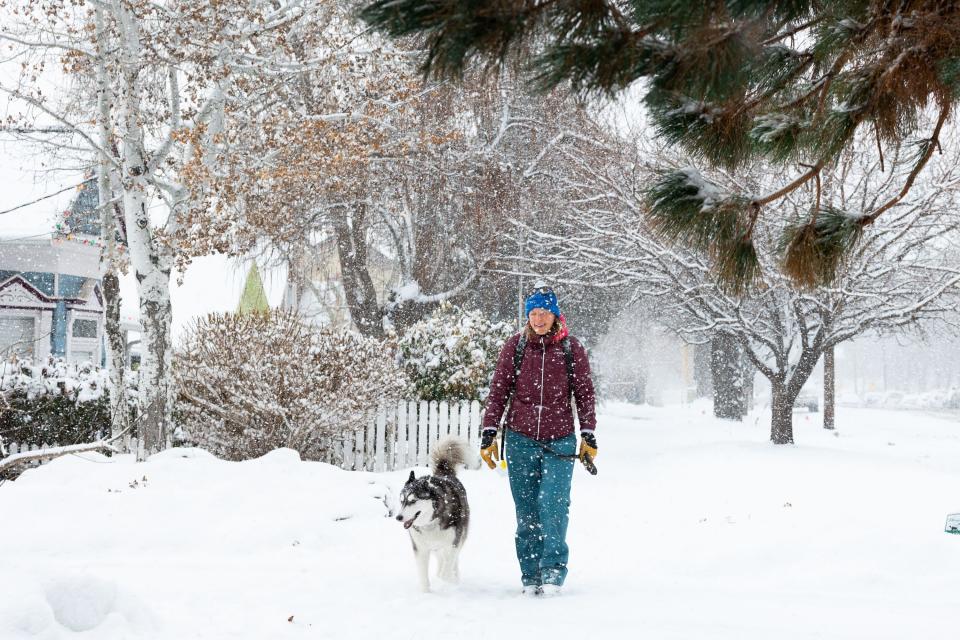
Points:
[(540, 484)]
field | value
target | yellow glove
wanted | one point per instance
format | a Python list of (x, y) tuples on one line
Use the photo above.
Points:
[(488, 448), (588, 446)]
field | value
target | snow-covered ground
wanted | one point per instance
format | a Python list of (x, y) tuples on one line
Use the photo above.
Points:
[(693, 528)]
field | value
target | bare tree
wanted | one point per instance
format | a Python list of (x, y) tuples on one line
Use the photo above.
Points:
[(352, 152), (160, 89), (902, 271)]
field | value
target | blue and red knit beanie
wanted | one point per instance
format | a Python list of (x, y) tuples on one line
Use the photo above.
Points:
[(541, 300)]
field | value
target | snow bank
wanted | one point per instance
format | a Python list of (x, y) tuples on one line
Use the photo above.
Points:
[(693, 528), (68, 603)]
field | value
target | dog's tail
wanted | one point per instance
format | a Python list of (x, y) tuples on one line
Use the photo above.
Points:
[(447, 454)]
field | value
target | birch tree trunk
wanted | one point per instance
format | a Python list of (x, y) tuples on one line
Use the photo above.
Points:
[(151, 263), (116, 345), (116, 353)]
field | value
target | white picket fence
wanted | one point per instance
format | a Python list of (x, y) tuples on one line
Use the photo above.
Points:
[(396, 437), (401, 435)]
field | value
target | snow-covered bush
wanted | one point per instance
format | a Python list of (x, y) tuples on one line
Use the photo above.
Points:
[(452, 354), (53, 402), (250, 383)]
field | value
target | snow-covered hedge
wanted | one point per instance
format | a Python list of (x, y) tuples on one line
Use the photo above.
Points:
[(452, 354), (250, 383), (53, 402)]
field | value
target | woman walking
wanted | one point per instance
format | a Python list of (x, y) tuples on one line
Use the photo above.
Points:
[(537, 372)]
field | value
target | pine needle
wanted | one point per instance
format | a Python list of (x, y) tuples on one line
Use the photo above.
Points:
[(712, 131), (686, 209), (815, 249), (737, 265)]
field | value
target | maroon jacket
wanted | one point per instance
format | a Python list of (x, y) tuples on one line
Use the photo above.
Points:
[(543, 374)]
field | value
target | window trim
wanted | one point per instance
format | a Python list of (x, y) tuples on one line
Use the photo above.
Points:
[(96, 328), (29, 314), (83, 344)]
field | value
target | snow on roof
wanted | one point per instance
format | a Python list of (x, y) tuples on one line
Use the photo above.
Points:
[(48, 255)]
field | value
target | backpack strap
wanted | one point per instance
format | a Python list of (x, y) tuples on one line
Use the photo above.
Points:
[(517, 363), (568, 356), (518, 357)]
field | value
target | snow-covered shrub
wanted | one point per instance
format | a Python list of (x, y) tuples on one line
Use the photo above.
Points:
[(250, 383), (452, 354), (53, 402)]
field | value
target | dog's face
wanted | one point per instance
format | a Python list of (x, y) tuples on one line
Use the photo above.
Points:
[(416, 502)]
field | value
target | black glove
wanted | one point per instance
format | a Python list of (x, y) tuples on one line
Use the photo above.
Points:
[(588, 446), (487, 438), (588, 451), (488, 447), (590, 438)]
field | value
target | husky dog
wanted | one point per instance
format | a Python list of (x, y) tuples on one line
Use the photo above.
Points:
[(434, 510)]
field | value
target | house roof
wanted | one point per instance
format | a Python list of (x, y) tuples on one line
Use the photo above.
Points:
[(16, 291), (48, 255)]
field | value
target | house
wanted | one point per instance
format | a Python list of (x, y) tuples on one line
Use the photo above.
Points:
[(314, 282), (51, 302)]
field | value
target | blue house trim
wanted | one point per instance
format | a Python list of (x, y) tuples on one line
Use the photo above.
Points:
[(58, 332)]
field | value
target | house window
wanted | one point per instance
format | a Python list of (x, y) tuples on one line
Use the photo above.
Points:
[(84, 328), (16, 336), (81, 356)]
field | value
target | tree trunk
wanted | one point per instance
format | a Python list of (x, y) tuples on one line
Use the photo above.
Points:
[(829, 388), (116, 345), (727, 377), (781, 408), (151, 261), (749, 373), (156, 384), (355, 277), (702, 369), (116, 353)]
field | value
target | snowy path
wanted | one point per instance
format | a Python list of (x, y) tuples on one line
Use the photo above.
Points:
[(693, 529)]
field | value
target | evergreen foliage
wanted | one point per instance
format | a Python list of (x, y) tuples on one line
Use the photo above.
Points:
[(815, 248), (53, 402), (791, 81), (253, 298), (452, 354), (685, 207)]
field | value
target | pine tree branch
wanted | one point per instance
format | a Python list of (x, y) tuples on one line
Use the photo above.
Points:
[(921, 163), (791, 32), (796, 184)]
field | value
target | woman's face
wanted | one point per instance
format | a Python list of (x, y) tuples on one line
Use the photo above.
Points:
[(541, 320)]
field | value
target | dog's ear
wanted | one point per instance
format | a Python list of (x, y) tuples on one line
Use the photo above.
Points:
[(411, 478)]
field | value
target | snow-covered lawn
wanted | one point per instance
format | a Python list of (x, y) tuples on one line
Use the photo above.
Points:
[(693, 529)]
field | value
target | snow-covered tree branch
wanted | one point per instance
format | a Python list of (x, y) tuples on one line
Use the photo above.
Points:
[(902, 272)]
